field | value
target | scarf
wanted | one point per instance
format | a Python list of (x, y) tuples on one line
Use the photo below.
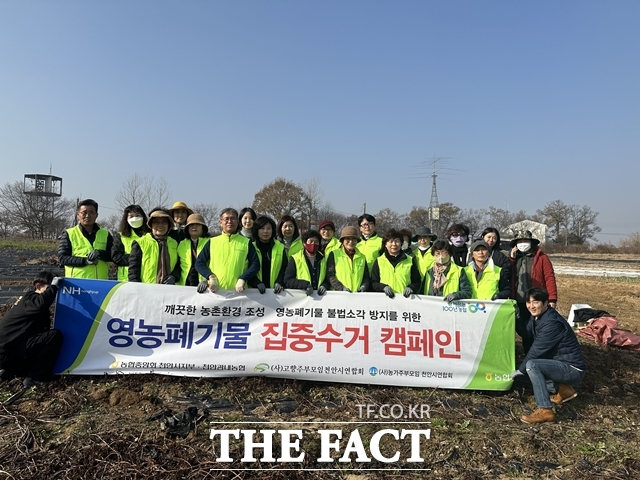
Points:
[(439, 278), (163, 259), (524, 263)]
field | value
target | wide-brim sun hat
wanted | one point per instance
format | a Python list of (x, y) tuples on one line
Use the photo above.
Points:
[(161, 214), (195, 218), (524, 235), (424, 232), (180, 206), (349, 232)]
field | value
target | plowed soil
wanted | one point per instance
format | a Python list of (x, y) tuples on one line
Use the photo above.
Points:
[(110, 427)]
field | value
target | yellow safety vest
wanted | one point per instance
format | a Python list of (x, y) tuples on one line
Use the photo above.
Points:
[(333, 244), (151, 254), (424, 262), (295, 247), (488, 285), (80, 247), (302, 269), (349, 272), (123, 272), (277, 252), (397, 278), (228, 258), (184, 252), (453, 280), (370, 249)]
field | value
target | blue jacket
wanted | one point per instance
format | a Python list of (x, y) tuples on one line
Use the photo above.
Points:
[(553, 339)]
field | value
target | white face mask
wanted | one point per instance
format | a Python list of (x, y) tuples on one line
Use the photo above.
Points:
[(524, 247), (405, 245), (423, 248), (135, 222)]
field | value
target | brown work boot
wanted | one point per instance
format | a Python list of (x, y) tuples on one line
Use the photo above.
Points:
[(564, 394), (540, 415)]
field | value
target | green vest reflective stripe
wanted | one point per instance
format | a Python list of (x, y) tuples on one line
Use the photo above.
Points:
[(349, 272), (370, 249), (277, 252), (424, 262), (80, 247), (123, 272), (302, 269), (295, 247), (488, 285), (397, 278), (333, 245), (453, 280), (184, 252), (151, 254), (228, 258)]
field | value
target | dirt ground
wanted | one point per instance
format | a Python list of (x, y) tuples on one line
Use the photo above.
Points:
[(112, 427)]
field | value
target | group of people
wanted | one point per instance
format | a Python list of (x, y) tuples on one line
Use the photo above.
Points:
[(174, 247)]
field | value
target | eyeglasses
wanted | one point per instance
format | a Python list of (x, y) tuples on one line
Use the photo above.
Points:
[(86, 213), (228, 219), (365, 225)]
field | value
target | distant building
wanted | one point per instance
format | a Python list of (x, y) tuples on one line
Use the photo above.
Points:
[(539, 230)]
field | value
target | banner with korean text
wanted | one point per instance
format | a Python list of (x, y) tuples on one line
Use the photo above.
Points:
[(421, 341)]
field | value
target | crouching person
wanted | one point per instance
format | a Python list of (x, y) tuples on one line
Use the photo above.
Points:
[(28, 346), (555, 364)]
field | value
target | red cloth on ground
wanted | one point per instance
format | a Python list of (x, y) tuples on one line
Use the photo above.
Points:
[(603, 330)]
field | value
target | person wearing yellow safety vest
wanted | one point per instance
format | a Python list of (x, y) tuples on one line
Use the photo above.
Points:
[(307, 269), (179, 213), (394, 271), (346, 266), (133, 225), (85, 250), (444, 278), (154, 256), (190, 248), (229, 260), (288, 233), (371, 244), (329, 242), (422, 253), (487, 280), (273, 259)]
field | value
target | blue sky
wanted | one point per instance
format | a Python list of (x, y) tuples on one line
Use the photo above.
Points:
[(530, 101)]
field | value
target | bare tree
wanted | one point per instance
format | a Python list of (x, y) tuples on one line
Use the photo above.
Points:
[(386, 219), (449, 215), (555, 215), (570, 224), (147, 191), (37, 216), (474, 219), (211, 214), (313, 194), (500, 218), (417, 218)]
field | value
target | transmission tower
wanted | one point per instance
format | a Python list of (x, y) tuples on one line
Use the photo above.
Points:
[(436, 166), (434, 205)]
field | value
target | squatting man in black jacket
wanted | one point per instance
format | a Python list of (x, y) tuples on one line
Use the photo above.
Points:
[(28, 346), (555, 364)]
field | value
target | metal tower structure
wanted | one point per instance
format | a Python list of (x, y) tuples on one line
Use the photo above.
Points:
[(436, 167), (434, 205)]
